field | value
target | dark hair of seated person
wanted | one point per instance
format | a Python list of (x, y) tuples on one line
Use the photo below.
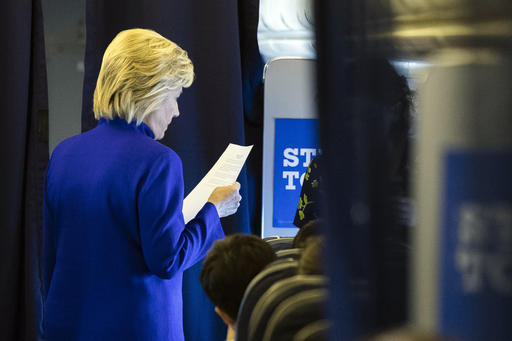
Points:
[(229, 267), (310, 229), (310, 262)]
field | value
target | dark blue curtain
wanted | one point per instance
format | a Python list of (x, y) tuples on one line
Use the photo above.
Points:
[(252, 87), (212, 110), (24, 154), (365, 254)]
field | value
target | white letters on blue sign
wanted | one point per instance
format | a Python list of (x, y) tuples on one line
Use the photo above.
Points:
[(291, 159), (308, 152), (290, 176), (484, 247)]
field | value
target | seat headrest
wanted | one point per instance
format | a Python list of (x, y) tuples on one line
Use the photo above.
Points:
[(283, 243), (276, 294), (271, 274), (295, 313)]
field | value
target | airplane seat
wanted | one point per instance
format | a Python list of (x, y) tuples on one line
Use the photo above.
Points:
[(295, 313), (289, 253), (283, 243), (315, 331), (272, 273), (277, 294)]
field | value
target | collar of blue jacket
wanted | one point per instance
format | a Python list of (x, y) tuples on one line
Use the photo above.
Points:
[(122, 123)]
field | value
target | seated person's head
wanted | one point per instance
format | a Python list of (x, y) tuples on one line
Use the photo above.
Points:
[(229, 267), (310, 262), (310, 229)]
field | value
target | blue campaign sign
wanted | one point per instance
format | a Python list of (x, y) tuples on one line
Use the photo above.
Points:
[(476, 265), (295, 145)]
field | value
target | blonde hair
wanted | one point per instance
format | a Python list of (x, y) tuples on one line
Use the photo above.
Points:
[(138, 70)]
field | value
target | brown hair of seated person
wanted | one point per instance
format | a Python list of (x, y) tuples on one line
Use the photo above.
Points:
[(310, 262), (310, 229), (229, 267)]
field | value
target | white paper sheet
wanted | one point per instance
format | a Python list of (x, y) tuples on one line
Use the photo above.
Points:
[(223, 173)]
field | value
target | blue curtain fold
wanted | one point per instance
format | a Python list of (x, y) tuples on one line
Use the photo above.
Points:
[(24, 155), (212, 110), (252, 89), (368, 274)]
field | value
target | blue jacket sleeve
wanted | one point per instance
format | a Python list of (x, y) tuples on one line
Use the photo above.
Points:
[(168, 245)]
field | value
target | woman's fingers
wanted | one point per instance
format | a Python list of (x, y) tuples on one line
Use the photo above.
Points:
[(226, 199)]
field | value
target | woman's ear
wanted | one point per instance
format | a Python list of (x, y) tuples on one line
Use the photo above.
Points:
[(225, 317)]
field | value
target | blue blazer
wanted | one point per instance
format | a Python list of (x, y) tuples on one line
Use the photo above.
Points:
[(115, 244)]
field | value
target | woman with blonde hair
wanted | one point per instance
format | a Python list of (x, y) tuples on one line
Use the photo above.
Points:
[(115, 244)]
